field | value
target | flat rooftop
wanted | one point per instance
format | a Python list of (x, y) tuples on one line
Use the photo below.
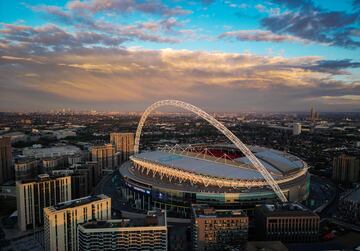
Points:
[(79, 202), (277, 163), (153, 218), (285, 209), (205, 211)]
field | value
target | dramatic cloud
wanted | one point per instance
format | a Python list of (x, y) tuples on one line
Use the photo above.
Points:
[(132, 78), (261, 35), (308, 21)]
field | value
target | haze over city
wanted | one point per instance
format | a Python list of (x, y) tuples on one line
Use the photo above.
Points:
[(227, 55)]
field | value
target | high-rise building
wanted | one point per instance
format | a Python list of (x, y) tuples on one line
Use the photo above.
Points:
[(124, 145), (61, 220), (138, 234), (346, 169), (288, 222), (296, 129), (34, 195), (6, 169), (104, 155), (218, 229)]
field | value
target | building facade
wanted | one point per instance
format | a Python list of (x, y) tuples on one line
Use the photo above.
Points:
[(218, 229), (288, 222), (346, 169), (34, 195), (349, 206), (147, 234), (104, 155), (124, 145), (61, 220), (6, 168), (26, 168)]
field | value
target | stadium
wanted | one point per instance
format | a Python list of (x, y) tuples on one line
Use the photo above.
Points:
[(222, 175)]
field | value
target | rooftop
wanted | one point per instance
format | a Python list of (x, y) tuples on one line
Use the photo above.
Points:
[(284, 209), (153, 218), (205, 211), (79, 202), (277, 163)]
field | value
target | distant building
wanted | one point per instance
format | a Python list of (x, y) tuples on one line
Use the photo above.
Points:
[(346, 169), (50, 163), (288, 222), (44, 152), (138, 234), (74, 159), (33, 195), (349, 206), (61, 220), (218, 229), (296, 129), (104, 155), (6, 168), (124, 145), (26, 168)]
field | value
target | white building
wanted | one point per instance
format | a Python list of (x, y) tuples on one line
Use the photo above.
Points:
[(296, 129)]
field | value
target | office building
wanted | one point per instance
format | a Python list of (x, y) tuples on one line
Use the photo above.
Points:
[(124, 145), (138, 234), (349, 206), (34, 195), (61, 220), (6, 168), (296, 129), (104, 155), (26, 168), (288, 222), (218, 229), (346, 169)]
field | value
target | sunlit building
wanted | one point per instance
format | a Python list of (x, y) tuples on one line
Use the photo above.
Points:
[(135, 234), (218, 229), (61, 220), (104, 155), (124, 145), (34, 195)]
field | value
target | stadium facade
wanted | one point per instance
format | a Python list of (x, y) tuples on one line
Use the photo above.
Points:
[(218, 175)]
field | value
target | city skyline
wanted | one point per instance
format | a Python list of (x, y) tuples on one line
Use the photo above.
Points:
[(219, 55)]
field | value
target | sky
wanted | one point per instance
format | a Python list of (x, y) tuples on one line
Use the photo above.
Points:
[(231, 56)]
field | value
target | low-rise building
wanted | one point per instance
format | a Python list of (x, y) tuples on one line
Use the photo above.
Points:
[(124, 234), (349, 206), (288, 222), (218, 229)]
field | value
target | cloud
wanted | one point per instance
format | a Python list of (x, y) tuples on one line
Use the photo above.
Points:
[(306, 20), (261, 35), (159, 31), (132, 78), (125, 6)]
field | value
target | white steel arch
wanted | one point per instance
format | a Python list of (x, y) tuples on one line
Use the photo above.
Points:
[(218, 125)]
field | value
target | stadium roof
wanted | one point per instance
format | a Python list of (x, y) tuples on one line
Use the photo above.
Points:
[(276, 164)]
